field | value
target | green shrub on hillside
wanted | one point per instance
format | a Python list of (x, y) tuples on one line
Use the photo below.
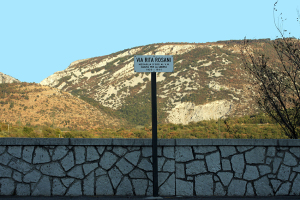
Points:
[(49, 132)]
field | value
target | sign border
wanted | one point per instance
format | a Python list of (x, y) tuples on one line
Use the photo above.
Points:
[(153, 64)]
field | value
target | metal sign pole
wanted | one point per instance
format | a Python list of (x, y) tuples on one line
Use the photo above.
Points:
[(153, 64), (154, 134)]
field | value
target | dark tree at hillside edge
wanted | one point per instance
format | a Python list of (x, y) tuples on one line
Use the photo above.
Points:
[(277, 83)]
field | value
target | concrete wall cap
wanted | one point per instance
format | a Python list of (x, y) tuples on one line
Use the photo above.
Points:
[(237, 142), (91, 141), (146, 142), (132, 142), (34, 141)]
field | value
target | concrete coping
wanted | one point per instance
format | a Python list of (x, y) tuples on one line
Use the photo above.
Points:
[(145, 142)]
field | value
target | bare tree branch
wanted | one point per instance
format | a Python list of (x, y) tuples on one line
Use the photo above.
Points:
[(277, 83)]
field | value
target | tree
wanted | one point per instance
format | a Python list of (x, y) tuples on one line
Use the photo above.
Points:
[(277, 82)]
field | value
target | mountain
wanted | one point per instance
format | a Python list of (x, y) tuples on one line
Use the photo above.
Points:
[(208, 82), (37, 105), (7, 79)]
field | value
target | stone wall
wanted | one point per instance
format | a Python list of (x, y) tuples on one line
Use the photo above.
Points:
[(122, 167)]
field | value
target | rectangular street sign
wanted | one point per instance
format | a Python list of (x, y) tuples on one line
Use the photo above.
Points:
[(153, 63)]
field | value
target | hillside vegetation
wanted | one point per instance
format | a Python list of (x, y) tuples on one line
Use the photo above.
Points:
[(247, 127), (207, 96), (204, 75), (32, 104)]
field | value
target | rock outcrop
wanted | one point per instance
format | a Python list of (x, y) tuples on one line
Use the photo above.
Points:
[(7, 79), (188, 112)]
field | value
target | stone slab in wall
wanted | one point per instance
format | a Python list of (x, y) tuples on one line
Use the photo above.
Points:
[(77, 167), (84, 170), (237, 170)]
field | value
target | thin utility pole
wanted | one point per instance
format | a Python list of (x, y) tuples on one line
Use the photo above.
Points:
[(8, 127), (53, 126)]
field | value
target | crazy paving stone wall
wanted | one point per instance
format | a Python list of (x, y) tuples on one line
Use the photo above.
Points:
[(123, 167)]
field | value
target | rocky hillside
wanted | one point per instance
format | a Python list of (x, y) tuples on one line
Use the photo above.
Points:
[(37, 105), (208, 82), (7, 79)]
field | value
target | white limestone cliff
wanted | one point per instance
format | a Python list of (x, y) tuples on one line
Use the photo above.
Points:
[(188, 112)]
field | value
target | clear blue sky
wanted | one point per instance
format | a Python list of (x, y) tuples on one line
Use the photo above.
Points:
[(38, 38)]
